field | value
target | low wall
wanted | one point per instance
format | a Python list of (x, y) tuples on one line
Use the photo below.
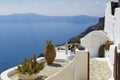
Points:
[(111, 53), (77, 69), (66, 74), (93, 41), (5, 75), (81, 65), (0, 78)]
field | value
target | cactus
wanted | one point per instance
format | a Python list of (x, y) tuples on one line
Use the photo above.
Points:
[(29, 66), (49, 52)]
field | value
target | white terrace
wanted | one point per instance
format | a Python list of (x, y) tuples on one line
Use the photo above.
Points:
[(85, 64), (81, 65)]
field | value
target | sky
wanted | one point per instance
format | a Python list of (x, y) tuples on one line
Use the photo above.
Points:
[(54, 7)]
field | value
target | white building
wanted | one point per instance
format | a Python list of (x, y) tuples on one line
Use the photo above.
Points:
[(112, 21)]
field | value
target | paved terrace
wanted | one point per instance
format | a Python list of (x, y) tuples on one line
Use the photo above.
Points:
[(99, 69)]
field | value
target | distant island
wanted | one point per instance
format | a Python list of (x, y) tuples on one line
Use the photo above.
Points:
[(35, 18)]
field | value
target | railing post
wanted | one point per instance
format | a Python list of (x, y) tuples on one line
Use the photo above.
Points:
[(81, 66), (118, 68), (115, 63)]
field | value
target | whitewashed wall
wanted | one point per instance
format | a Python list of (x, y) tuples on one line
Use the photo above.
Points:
[(66, 74), (117, 26), (0, 78), (109, 21), (81, 65), (112, 23), (111, 53), (75, 70), (93, 41)]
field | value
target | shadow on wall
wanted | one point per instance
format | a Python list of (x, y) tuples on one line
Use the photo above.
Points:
[(113, 6)]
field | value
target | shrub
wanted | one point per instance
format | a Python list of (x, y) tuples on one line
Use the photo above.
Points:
[(107, 45), (30, 66)]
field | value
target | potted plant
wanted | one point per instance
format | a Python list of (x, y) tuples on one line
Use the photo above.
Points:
[(81, 48), (101, 51), (107, 45), (49, 52), (29, 69)]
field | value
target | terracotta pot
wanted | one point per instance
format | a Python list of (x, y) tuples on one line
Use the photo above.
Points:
[(49, 54)]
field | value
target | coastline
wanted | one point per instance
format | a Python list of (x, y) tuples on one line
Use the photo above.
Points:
[(76, 39)]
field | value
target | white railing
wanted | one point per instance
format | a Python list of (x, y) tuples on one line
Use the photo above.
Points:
[(6, 74), (66, 74), (77, 69)]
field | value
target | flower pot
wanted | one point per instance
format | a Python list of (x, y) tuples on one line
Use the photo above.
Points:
[(27, 76), (49, 53)]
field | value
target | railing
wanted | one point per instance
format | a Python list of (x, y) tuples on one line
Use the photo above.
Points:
[(77, 69), (117, 65), (65, 74)]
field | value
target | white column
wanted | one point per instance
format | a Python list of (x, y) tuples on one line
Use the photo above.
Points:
[(81, 65)]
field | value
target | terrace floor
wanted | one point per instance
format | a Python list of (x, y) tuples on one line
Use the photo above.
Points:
[(48, 71), (99, 70)]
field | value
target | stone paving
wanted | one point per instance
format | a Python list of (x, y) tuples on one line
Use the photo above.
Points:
[(99, 70)]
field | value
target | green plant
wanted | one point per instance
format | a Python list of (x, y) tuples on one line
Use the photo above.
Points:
[(30, 66), (107, 45), (75, 40), (49, 52)]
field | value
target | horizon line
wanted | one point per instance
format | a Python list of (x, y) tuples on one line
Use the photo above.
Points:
[(48, 15)]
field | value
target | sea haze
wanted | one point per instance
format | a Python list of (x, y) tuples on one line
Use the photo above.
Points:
[(22, 35)]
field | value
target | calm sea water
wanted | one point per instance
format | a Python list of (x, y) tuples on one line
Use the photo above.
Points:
[(22, 40)]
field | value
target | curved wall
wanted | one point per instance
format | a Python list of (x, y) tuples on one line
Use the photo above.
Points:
[(77, 69), (93, 41), (66, 74)]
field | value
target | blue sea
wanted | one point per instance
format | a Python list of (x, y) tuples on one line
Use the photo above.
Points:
[(21, 40)]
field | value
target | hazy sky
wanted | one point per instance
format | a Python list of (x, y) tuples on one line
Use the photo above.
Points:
[(54, 7)]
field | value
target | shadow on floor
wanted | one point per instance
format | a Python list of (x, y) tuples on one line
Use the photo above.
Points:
[(55, 65), (42, 77)]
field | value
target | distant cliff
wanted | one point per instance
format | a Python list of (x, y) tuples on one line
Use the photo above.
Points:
[(98, 26)]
